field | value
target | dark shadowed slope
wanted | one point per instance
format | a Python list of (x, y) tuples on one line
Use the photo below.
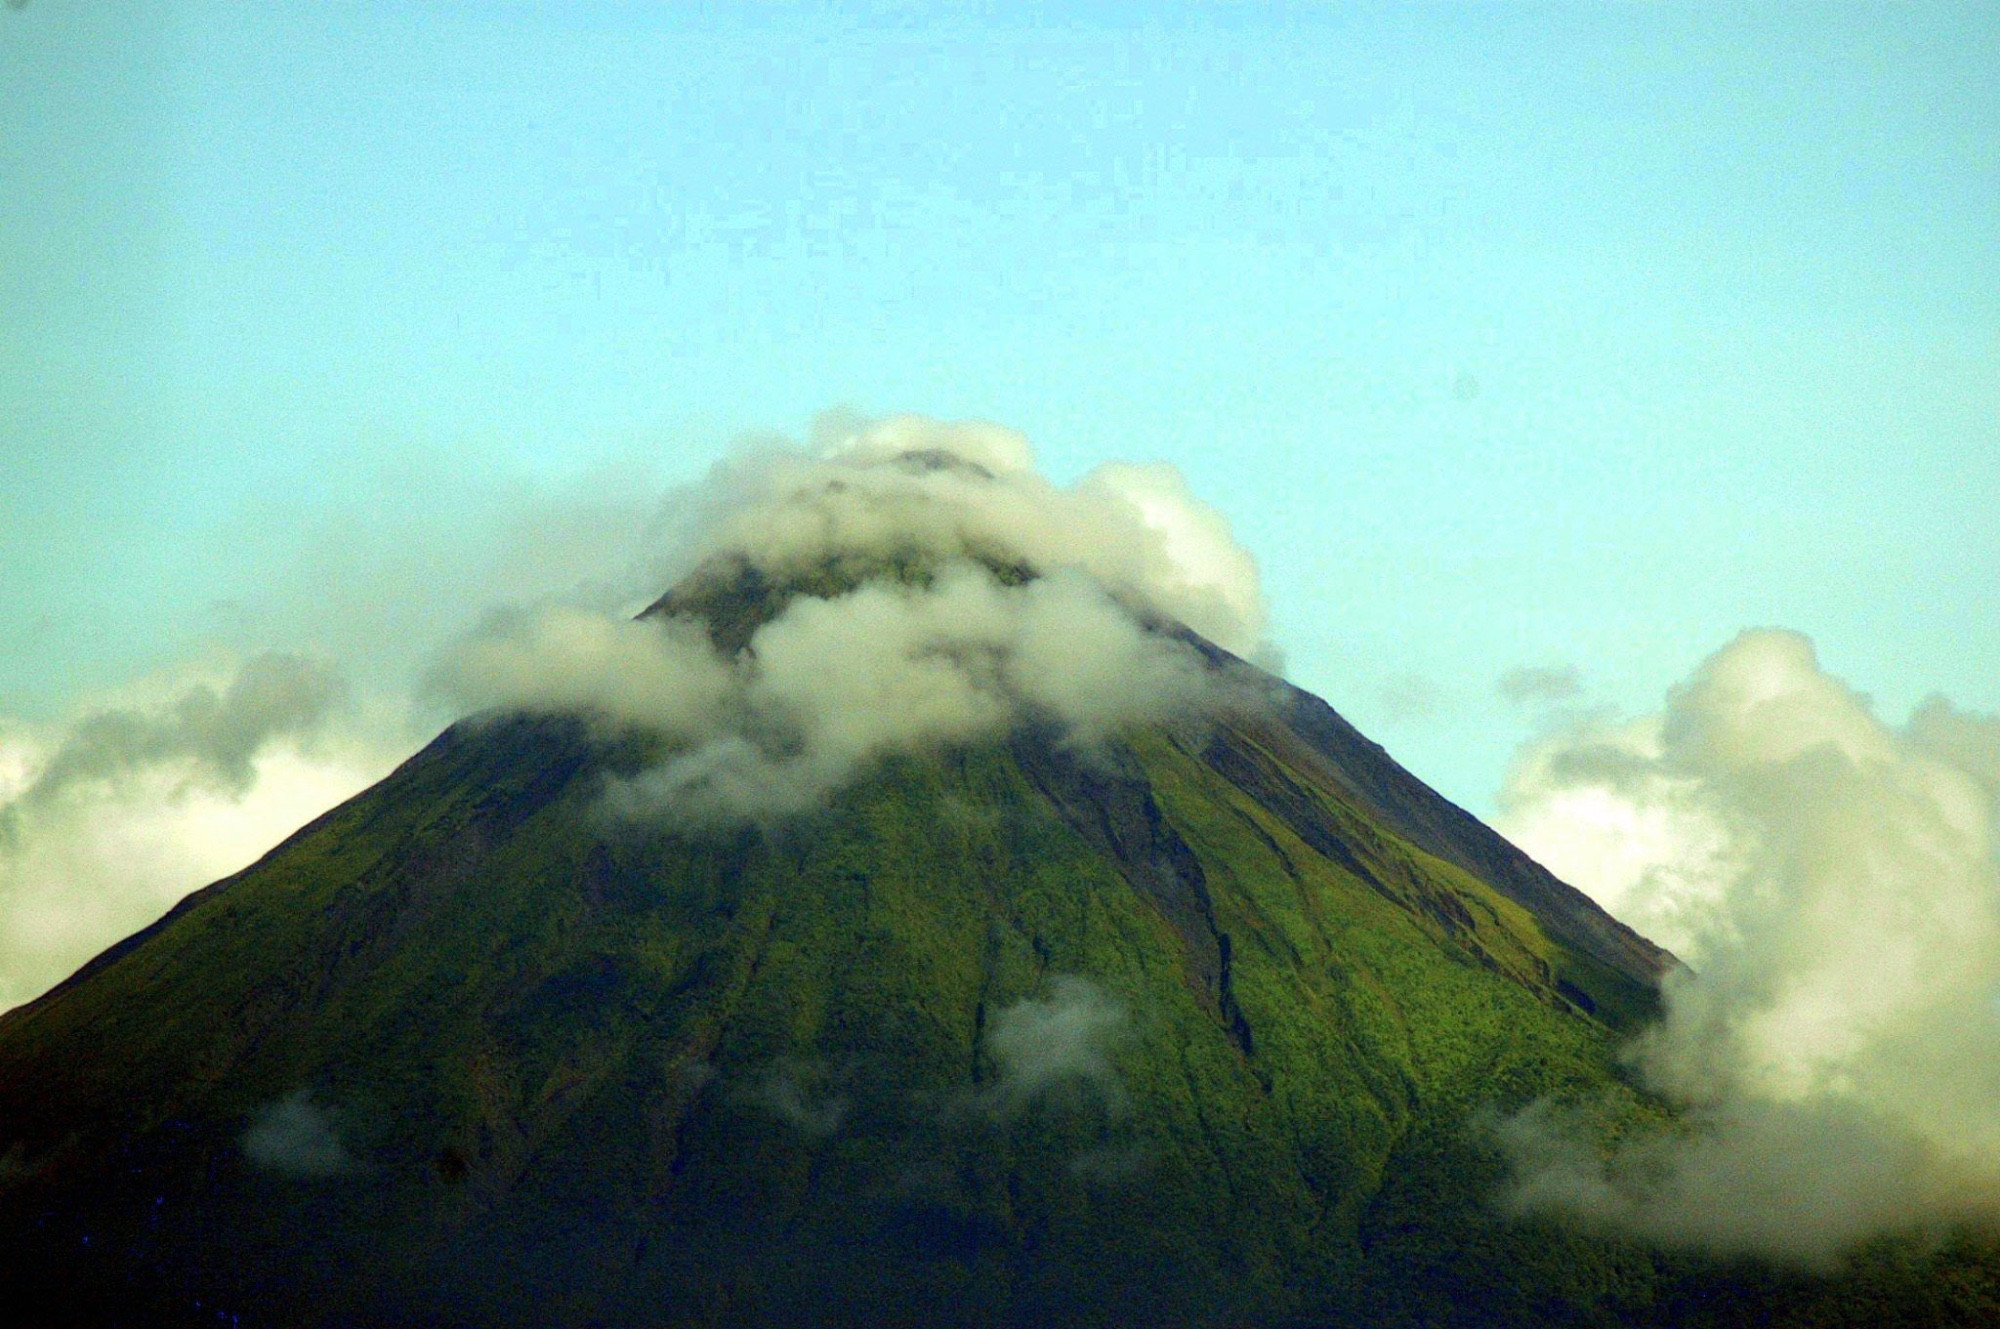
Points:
[(1431, 822)]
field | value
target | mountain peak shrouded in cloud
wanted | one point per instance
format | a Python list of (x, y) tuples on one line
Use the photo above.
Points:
[(909, 485), (907, 582), (929, 630), (1832, 882), (921, 913)]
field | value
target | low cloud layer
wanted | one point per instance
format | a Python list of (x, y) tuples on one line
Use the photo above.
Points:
[(1832, 883), (108, 820), (962, 650)]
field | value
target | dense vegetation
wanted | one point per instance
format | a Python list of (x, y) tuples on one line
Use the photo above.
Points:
[(591, 1072)]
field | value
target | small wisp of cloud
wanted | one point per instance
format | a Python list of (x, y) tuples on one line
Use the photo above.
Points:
[(1057, 1047), (296, 1138), (1539, 685), (805, 1094), (215, 733), (1411, 698)]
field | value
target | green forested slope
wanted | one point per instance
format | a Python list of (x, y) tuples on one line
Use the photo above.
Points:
[(589, 1072)]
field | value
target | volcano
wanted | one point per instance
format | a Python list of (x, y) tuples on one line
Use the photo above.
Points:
[(1189, 1019)]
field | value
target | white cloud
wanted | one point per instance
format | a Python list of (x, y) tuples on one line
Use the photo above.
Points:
[(659, 673), (1832, 882), (831, 683), (912, 484), (180, 779), (962, 651), (1599, 806)]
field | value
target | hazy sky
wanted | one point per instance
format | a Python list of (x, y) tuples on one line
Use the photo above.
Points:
[(1574, 338)]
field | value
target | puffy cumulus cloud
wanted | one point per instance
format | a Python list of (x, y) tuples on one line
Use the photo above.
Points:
[(108, 820), (296, 1138), (1034, 603), (908, 484), (1056, 1044), (1797, 1182), (1600, 806), (1832, 882)]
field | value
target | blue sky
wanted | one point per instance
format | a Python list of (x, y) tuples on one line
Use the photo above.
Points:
[(1578, 336)]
